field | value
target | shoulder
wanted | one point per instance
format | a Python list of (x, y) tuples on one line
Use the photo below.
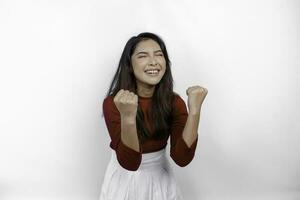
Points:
[(108, 100), (178, 100), (108, 103), (179, 105)]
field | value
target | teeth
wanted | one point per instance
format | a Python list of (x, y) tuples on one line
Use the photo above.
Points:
[(152, 71)]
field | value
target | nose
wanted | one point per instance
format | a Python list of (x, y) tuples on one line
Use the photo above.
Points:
[(153, 61)]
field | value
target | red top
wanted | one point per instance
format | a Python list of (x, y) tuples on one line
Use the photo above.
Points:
[(131, 159)]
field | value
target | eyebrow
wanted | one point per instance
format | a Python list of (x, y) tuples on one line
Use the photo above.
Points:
[(143, 52)]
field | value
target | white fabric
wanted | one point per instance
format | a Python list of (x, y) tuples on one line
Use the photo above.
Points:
[(154, 180)]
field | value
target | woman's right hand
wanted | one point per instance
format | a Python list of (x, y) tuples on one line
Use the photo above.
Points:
[(127, 103)]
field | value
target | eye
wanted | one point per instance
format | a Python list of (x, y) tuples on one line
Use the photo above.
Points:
[(141, 56), (160, 54)]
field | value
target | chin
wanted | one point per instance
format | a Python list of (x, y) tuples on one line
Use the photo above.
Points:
[(150, 81), (153, 83)]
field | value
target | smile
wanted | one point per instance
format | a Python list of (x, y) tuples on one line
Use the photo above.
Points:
[(152, 72)]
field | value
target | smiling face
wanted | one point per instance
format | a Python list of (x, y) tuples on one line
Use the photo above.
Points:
[(149, 66)]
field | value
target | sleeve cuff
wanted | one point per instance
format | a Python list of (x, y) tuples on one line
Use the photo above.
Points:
[(124, 148), (129, 158), (182, 154), (185, 148)]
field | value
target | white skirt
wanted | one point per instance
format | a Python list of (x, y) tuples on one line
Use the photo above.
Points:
[(154, 180)]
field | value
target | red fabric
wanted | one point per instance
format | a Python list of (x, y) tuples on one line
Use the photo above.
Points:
[(131, 159)]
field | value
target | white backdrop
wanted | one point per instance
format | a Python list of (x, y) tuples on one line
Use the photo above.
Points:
[(57, 59)]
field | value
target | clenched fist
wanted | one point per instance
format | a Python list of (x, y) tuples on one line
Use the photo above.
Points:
[(196, 95), (127, 103)]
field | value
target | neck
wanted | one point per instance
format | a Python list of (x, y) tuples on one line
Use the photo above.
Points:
[(145, 90)]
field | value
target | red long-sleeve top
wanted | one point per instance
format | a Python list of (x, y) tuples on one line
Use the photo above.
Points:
[(129, 158)]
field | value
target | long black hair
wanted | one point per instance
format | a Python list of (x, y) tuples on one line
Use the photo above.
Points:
[(163, 95)]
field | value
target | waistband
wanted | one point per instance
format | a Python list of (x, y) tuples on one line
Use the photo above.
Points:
[(153, 160)]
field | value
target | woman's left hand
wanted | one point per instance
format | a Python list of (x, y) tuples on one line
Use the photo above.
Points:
[(196, 95)]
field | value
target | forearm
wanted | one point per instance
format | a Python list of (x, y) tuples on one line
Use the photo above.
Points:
[(129, 133), (190, 130)]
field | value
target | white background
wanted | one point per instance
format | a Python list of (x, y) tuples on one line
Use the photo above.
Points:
[(57, 60)]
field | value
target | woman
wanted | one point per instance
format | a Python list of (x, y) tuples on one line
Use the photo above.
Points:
[(141, 112)]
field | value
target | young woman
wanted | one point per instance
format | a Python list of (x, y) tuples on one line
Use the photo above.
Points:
[(141, 112)]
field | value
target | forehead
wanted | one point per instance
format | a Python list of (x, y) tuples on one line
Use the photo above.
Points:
[(147, 45)]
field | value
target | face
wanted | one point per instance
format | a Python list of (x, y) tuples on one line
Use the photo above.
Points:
[(148, 62)]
